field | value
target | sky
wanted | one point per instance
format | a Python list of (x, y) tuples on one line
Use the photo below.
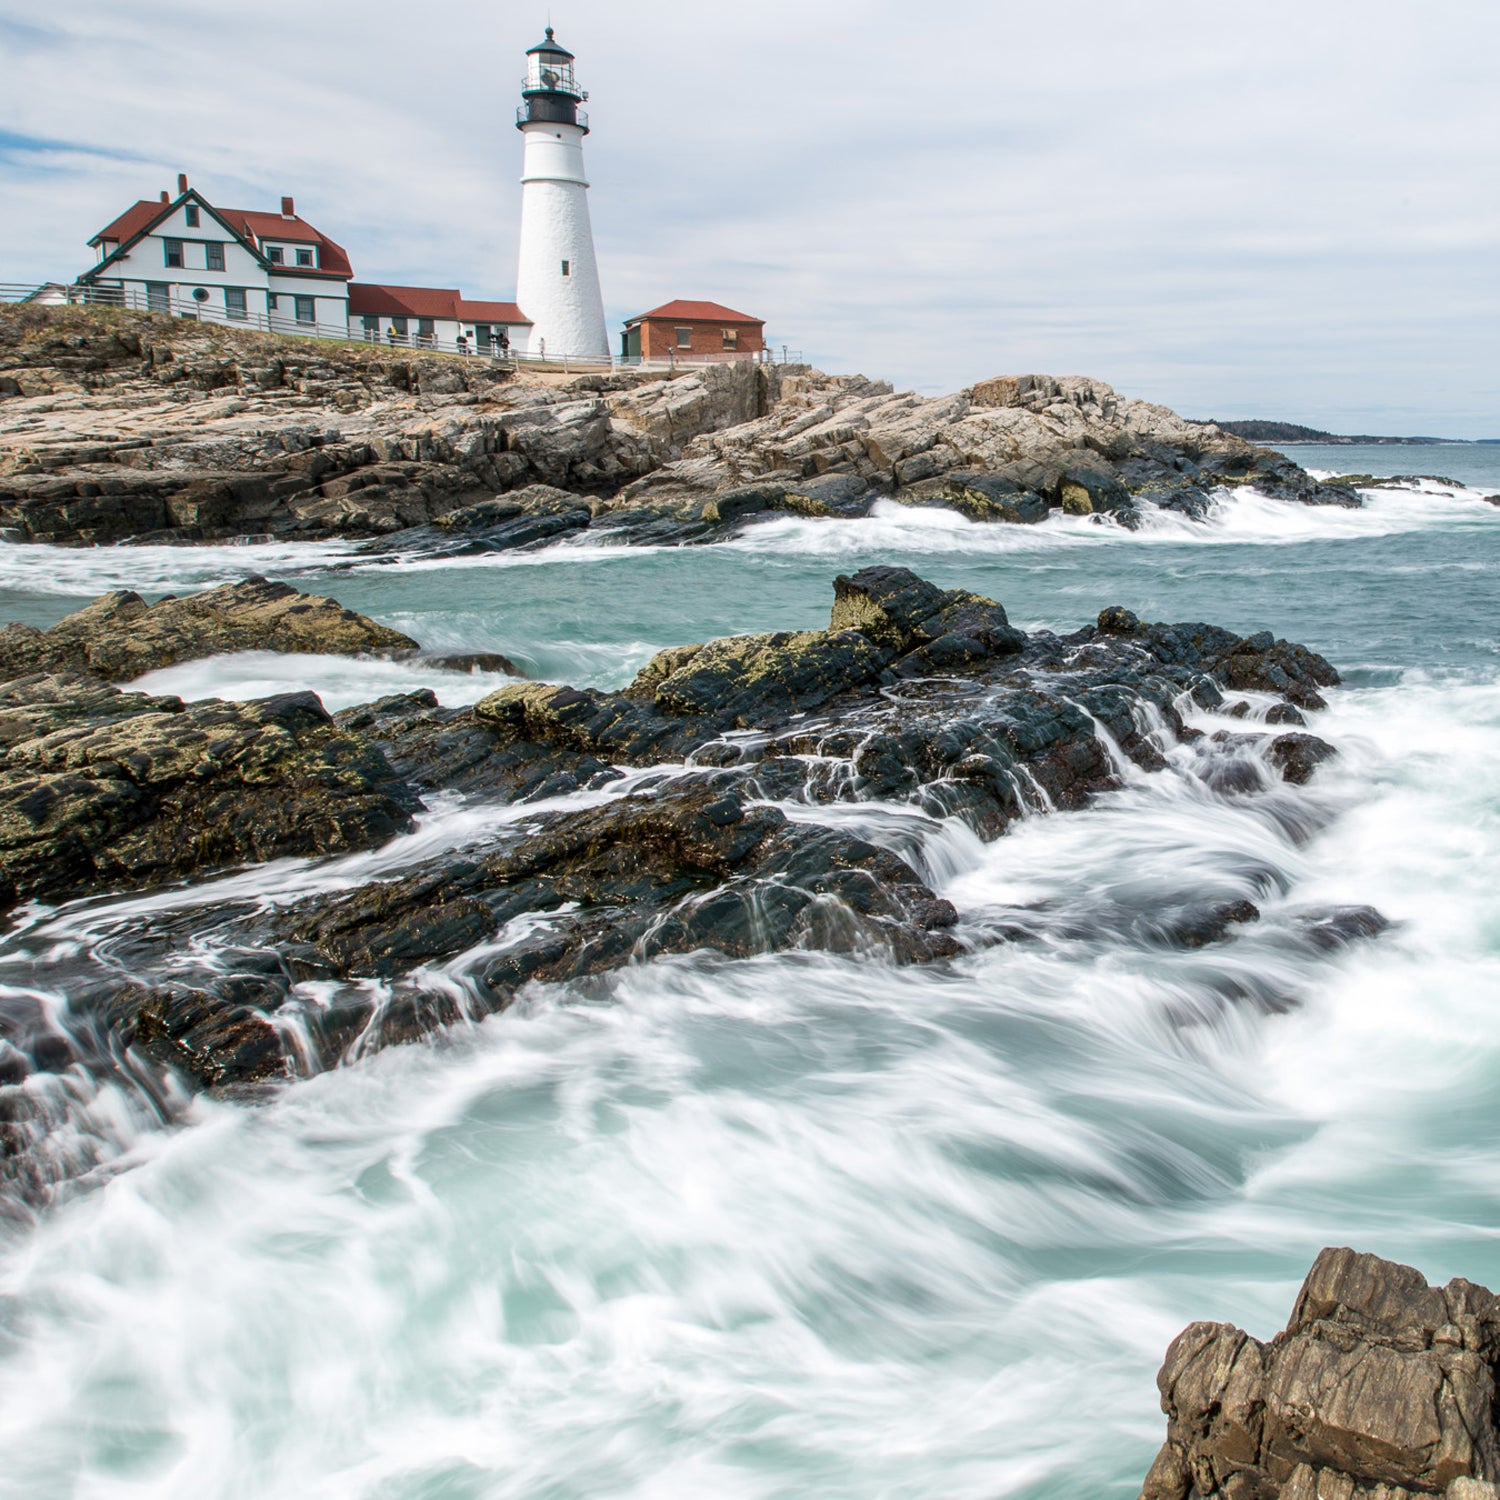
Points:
[(1238, 208)]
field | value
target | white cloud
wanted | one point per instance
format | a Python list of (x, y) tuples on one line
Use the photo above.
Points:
[(1239, 209)]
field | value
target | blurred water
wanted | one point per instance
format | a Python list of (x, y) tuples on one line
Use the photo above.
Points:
[(810, 1225)]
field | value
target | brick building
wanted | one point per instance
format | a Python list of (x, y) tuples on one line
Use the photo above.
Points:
[(679, 330)]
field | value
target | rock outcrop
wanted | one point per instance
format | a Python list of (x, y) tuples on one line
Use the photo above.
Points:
[(681, 815), (128, 426), (1380, 1387), (118, 636), (102, 789)]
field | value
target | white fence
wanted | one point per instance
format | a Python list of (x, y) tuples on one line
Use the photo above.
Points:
[(54, 293)]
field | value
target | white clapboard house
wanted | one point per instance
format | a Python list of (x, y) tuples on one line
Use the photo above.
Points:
[(184, 255), (190, 258)]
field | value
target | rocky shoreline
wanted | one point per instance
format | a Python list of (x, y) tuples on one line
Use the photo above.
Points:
[(680, 815), (1380, 1387), (120, 426)]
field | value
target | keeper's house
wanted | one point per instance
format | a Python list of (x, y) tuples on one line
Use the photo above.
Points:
[(185, 257), (700, 328), (182, 256)]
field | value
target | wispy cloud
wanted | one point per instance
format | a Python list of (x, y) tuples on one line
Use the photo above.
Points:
[(1258, 207)]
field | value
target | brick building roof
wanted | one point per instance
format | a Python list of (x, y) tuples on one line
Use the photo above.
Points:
[(696, 312)]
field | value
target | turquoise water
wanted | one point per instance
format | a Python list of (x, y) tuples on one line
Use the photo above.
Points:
[(808, 1225)]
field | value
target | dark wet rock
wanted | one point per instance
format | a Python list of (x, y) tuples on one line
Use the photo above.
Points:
[(1285, 713), (1380, 1387), (1211, 924), (1297, 756), (1255, 663), (119, 636), (473, 661), (980, 497), (687, 868), (215, 1038), (101, 789), (1343, 925), (913, 694)]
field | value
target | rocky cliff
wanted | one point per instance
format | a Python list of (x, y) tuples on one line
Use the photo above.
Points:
[(1380, 1387), (125, 426)]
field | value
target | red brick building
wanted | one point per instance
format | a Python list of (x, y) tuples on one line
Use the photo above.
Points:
[(693, 330)]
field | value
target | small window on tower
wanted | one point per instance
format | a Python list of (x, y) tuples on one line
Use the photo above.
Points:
[(567, 268)]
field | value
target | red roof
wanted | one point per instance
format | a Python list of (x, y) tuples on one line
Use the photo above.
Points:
[(403, 301), (698, 312), (491, 312), (428, 302), (333, 261), (132, 221)]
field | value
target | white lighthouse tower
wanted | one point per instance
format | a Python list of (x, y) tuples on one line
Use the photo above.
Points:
[(557, 283)]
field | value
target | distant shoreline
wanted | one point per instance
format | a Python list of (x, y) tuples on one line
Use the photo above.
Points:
[(1287, 434)]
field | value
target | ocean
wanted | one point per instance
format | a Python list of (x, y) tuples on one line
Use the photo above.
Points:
[(808, 1225)]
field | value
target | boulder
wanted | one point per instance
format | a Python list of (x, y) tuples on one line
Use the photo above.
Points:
[(119, 636), (1379, 1386), (106, 790)]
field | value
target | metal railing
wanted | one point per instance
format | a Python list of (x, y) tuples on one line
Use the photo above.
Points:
[(53, 293)]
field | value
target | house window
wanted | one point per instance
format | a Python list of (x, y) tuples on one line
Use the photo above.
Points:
[(273, 301), (190, 214), (274, 254), (234, 302), (215, 257), (304, 257), (158, 297), (398, 327), (371, 325), (172, 250), (684, 338), (306, 310), (567, 268), (731, 338)]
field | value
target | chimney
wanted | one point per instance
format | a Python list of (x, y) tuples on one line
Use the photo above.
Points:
[(166, 197), (182, 182), (288, 211)]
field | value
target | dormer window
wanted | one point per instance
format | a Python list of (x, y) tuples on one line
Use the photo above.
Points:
[(304, 257), (190, 214), (274, 254)]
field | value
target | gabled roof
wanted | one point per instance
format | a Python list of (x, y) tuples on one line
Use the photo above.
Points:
[(696, 312), (137, 217), (334, 259), (247, 224)]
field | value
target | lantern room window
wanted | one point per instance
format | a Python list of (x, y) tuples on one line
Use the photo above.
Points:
[(551, 72)]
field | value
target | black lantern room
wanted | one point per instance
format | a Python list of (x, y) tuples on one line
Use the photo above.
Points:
[(550, 90)]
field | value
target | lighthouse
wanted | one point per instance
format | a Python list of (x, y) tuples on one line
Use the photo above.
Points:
[(557, 282)]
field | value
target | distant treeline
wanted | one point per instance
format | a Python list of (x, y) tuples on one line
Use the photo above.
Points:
[(1293, 432)]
